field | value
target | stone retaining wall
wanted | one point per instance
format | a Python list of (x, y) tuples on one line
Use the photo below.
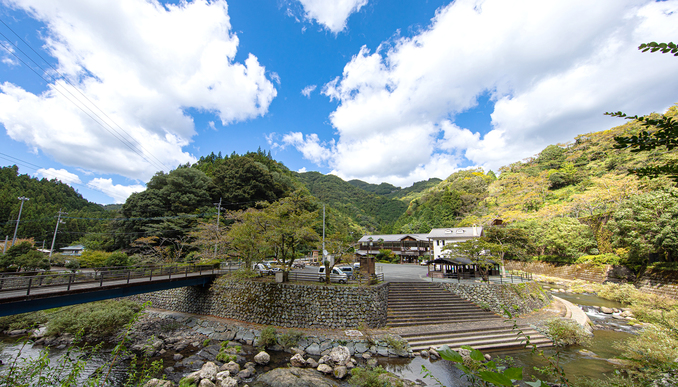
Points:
[(587, 272), (284, 305), (661, 282), (518, 298)]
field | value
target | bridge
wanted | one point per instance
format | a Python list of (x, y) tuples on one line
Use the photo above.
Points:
[(38, 291)]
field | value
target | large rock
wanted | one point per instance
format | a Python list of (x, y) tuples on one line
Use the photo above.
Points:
[(262, 358), (231, 367), (158, 383), (340, 355), (293, 377), (208, 371), (606, 310), (340, 372), (206, 383), (224, 379), (311, 362), (324, 368), (297, 361)]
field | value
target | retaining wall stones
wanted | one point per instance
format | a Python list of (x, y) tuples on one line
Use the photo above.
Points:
[(279, 304), (518, 298), (587, 272), (661, 282)]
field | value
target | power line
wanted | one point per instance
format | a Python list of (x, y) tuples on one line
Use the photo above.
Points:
[(130, 144)]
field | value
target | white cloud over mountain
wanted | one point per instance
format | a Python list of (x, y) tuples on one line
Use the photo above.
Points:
[(141, 65), (551, 68), (332, 14), (118, 192)]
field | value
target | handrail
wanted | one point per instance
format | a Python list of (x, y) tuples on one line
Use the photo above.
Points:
[(126, 274)]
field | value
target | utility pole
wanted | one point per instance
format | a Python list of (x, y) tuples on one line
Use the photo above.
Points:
[(216, 237), (55, 231), (324, 253), (23, 199)]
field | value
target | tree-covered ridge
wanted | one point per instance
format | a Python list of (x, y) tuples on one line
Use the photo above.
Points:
[(39, 214), (447, 203), (392, 192), (371, 211)]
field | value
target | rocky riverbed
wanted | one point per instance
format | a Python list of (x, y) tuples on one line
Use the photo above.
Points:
[(218, 352)]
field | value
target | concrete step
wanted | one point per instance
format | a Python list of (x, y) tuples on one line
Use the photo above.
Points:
[(491, 346), (441, 315), (406, 323)]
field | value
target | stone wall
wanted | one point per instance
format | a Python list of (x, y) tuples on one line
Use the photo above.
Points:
[(284, 305), (586, 272), (518, 298), (661, 282)]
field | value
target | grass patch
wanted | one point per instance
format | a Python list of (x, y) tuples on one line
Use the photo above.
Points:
[(22, 321), (564, 332), (290, 339), (96, 320), (363, 377), (268, 337)]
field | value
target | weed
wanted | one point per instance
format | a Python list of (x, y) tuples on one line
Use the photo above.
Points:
[(188, 382), (207, 342), (564, 332), (364, 377), (267, 337), (396, 344), (290, 339)]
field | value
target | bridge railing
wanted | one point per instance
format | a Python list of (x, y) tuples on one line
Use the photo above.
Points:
[(105, 275)]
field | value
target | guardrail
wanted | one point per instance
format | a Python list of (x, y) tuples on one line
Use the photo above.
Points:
[(103, 275), (316, 277)]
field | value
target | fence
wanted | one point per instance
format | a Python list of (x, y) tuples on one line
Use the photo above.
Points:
[(103, 275)]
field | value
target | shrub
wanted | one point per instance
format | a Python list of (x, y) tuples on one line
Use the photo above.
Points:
[(364, 377), (188, 382), (97, 320), (290, 339), (73, 265), (117, 259), (564, 332), (267, 338), (656, 346), (22, 321), (600, 260), (244, 273), (396, 344)]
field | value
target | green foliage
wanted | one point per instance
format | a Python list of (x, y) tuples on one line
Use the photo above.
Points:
[(565, 332), (33, 260), (600, 260), (90, 258), (479, 251), (396, 344), (647, 224), (565, 237), (656, 348), (117, 259), (478, 370), (73, 265), (38, 216), (552, 157), (22, 321), (268, 337), (96, 320), (364, 377), (664, 48), (188, 382)]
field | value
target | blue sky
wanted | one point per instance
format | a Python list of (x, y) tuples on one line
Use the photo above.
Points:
[(369, 89)]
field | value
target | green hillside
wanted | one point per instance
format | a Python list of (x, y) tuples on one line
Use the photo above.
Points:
[(369, 210), (39, 214)]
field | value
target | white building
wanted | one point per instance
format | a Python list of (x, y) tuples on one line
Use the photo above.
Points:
[(440, 237)]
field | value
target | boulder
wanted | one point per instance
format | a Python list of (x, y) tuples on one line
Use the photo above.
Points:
[(424, 353), (224, 379), (297, 361), (340, 372), (340, 355), (246, 373), (293, 377), (158, 383), (208, 371), (324, 368), (311, 362), (206, 383), (606, 310), (372, 362), (231, 367), (262, 358)]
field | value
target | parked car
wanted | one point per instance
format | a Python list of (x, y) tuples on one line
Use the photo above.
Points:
[(264, 268), (356, 265), (336, 275), (299, 265), (348, 270)]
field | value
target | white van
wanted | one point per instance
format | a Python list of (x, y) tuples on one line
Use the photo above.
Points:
[(335, 276)]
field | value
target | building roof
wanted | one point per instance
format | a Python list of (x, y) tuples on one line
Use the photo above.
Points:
[(74, 247), (458, 232), (393, 237), (457, 261)]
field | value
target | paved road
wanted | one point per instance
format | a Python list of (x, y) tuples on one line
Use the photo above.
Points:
[(400, 273)]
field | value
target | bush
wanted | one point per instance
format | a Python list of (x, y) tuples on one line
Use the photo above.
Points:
[(267, 338), (73, 265), (117, 259), (96, 320), (290, 339), (364, 377), (244, 273), (22, 321), (655, 347), (564, 332), (600, 260)]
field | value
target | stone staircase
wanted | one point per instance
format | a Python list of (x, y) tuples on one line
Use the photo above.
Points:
[(445, 318)]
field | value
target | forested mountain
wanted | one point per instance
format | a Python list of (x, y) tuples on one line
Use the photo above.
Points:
[(371, 211), (392, 192), (39, 214)]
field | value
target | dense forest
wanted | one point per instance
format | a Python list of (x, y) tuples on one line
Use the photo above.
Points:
[(567, 202)]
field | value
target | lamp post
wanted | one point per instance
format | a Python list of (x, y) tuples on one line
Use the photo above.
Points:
[(23, 199)]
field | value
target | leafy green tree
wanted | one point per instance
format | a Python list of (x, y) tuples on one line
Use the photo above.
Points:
[(93, 258), (246, 237), (339, 246), (33, 260), (514, 241), (647, 224), (661, 132), (552, 157), (480, 251), (566, 238), (117, 259)]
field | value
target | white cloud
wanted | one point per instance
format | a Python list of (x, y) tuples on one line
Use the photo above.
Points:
[(302, 170), (331, 13), (142, 64), (118, 192), (553, 68), (310, 146), (306, 91), (60, 174)]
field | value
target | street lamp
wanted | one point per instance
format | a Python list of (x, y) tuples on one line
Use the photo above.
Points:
[(23, 199)]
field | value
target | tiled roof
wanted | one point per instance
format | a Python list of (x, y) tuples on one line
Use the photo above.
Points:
[(459, 232), (393, 237)]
